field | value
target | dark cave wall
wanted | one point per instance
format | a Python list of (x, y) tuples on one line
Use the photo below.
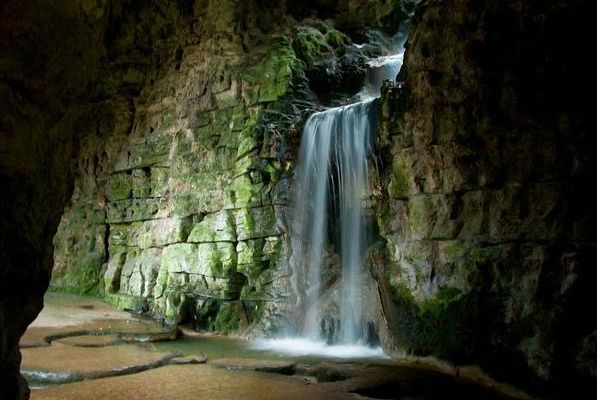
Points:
[(181, 209), (484, 204), (41, 74), (488, 208), (71, 74)]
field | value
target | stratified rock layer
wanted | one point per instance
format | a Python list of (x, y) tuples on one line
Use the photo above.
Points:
[(179, 213), (484, 203), (183, 119), (128, 89)]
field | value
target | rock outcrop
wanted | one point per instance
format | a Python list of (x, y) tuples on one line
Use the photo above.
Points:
[(485, 202), (127, 90), (180, 209), (168, 130)]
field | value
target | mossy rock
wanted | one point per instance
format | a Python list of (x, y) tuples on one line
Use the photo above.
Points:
[(400, 184), (213, 227), (229, 317), (120, 187), (82, 279), (269, 80), (311, 43), (126, 302), (420, 216), (141, 179), (256, 222), (441, 325)]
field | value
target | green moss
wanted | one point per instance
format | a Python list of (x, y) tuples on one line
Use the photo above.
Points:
[(245, 222), (183, 142), (223, 259), (269, 80), (153, 150), (213, 227), (440, 325), (126, 302), (119, 187), (311, 43), (244, 191), (247, 143), (402, 292), (420, 211), (227, 99), (227, 123), (251, 254), (440, 304), (174, 306), (169, 117), (399, 186), (254, 310), (141, 182), (82, 279), (335, 39), (159, 181), (161, 280), (453, 321), (95, 291), (203, 118), (229, 317), (453, 250), (421, 276)]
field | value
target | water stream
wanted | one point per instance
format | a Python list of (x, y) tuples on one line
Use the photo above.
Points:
[(332, 179), (331, 186)]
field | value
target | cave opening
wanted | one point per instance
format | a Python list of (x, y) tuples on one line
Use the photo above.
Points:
[(148, 164)]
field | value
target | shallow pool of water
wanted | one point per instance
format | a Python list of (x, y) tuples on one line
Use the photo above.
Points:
[(299, 347), (301, 350)]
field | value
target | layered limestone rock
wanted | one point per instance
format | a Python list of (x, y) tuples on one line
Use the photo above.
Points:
[(182, 213), (483, 204), (178, 123), (92, 80), (175, 205), (180, 207)]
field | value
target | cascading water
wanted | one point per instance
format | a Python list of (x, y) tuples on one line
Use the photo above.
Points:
[(333, 160), (331, 187)]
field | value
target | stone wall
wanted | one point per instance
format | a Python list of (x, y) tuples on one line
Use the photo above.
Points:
[(173, 126), (176, 212), (76, 86), (484, 203), (180, 206)]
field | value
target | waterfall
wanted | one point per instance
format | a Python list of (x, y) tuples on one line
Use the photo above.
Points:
[(331, 186), (332, 163), (329, 222)]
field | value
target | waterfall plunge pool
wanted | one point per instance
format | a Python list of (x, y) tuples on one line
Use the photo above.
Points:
[(300, 347), (235, 368)]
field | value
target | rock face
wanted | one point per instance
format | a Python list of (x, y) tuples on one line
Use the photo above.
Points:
[(169, 131), (175, 212), (166, 108), (44, 72), (180, 207), (484, 204)]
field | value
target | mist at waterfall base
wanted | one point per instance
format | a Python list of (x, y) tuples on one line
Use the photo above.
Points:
[(331, 185), (298, 347)]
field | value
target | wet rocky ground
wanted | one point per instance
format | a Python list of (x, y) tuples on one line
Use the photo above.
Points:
[(81, 348)]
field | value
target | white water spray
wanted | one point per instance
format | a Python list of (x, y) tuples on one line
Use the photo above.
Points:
[(332, 178)]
